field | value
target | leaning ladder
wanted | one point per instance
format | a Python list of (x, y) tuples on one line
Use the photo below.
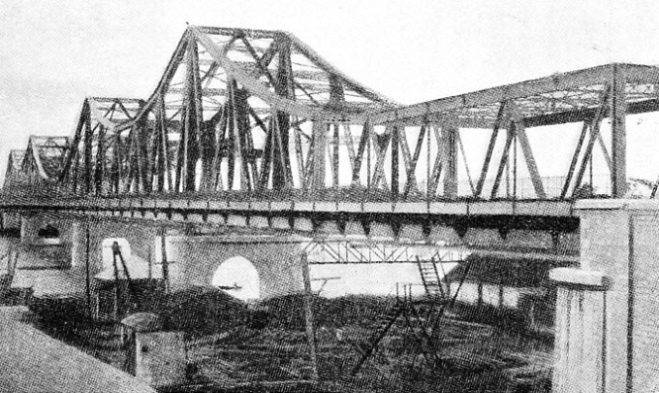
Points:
[(430, 279), (116, 253)]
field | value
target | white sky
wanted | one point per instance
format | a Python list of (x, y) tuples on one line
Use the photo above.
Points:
[(54, 53)]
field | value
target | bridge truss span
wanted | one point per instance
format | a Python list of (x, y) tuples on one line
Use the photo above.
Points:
[(260, 114)]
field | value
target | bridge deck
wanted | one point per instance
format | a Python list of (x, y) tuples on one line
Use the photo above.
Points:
[(250, 203)]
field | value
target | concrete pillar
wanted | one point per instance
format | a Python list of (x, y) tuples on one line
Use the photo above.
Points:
[(11, 220), (606, 317), (579, 350), (86, 243), (29, 229)]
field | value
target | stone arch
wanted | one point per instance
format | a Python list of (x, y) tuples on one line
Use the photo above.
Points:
[(277, 260), (239, 277)]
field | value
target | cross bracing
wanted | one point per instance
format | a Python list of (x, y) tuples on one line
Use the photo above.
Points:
[(245, 113)]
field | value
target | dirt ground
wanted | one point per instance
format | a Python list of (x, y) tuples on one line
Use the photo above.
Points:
[(268, 349)]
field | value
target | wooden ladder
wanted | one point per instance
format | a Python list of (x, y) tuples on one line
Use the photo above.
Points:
[(430, 279)]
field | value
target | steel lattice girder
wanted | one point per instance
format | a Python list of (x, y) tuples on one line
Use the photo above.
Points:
[(230, 99), (557, 99)]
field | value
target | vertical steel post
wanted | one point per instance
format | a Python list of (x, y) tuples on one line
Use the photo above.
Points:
[(336, 98), (618, 132), (160, 147), (117, 288), (88, 148), (281, 166), (165, 263), (100, 161), (150, 262), (335, 156), (394, 162), (450, 145), (319, 130), (308, 315), (193, 120), (87, 272), (368, 158)]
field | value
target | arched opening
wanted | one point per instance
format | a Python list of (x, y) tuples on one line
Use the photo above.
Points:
[(51, 251), (238, 277), (48, 232)]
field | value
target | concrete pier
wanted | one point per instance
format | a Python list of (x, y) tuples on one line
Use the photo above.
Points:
[(607, 314)]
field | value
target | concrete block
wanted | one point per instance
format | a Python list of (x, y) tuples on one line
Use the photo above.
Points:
[(303, 224), (258, 221), (382, 231), (570, 276), (196, 217), (354, 228), (280, 222), (159, 358), (412, 232), (216, 219), (237, 220)]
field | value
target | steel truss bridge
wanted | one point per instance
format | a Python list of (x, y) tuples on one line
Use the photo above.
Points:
[(254, 128)]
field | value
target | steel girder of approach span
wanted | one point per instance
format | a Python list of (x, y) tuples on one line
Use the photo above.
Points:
[(533, 229)]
